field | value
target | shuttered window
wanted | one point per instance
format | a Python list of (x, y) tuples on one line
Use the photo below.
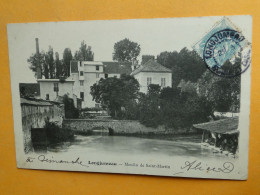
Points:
[(149, 80), (163, 82)]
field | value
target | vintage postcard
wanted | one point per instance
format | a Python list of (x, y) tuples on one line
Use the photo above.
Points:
[(166, 97)]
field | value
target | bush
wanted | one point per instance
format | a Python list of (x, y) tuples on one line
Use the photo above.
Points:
[(70, 110), (56, 134)]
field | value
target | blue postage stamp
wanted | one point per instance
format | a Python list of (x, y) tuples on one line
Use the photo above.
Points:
[(222, 47)]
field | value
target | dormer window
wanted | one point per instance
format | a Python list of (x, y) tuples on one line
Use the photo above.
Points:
[(97, 67)]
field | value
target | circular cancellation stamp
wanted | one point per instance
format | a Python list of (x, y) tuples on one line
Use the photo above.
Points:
[(225, 50)]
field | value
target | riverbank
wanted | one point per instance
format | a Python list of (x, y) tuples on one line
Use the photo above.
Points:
[(120, 127)]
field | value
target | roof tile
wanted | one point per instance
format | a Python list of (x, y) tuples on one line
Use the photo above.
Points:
[(151, 66)]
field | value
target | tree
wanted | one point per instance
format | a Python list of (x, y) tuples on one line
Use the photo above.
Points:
[(115, 93), (150, 113), (70, 110), (84, 53), (180, 109), (58, 65), (34, 59), (126, 50), (223, 93), (67, 57), (49, 64), (186, 65)]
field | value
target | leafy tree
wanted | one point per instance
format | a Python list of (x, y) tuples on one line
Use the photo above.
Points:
[(126, 50), (84, 53), (115, 93), (223, 93), (58, 65), (183, 109), (186, 65), (70, 110), (34, 59), (49, 64), (150, 113), (67, 57)]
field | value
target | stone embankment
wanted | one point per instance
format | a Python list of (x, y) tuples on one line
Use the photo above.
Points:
[(118, 126)]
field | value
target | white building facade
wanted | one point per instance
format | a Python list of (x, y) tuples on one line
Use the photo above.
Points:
[(152, 73), (50, 89), (84, 74)]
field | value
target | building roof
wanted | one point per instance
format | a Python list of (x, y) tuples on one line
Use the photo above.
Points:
[(223, 126), (55, 80), (117, 67), (35, 102), (74, 66), (151, 66)]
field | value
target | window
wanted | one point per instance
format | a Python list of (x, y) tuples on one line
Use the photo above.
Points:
[(97, 75), (47, 97), (149, 80), (97, 67), (80, 63), (106, 75), (56, 87), (81, 73), (82, 96), (81, 83), (162, 82)]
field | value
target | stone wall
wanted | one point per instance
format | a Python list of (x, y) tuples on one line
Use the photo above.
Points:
[(119, 126), (34, 114)]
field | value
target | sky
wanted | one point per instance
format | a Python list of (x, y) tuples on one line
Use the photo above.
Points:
[(153, 35)]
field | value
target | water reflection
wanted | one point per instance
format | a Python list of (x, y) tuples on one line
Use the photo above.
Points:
[(120, 145)]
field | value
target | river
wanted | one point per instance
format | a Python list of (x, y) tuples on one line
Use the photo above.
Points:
[(124, 145)]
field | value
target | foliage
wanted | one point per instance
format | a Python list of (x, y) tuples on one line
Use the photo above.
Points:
[(149, 105), (56, 134), (49, 64), (34, 59), (224, 93), (70, 110), (126, 50), (50, 67), (84, 53), (58, 64), (182, 109), (67, 57), (186, 65), (115, 93)]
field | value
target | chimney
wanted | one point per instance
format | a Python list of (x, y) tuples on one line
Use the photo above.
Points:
[(38, 68)]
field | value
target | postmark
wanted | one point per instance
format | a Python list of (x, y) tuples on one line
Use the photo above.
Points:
[(225, 51)]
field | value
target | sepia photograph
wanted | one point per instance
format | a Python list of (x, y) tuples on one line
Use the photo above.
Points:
[(167, 97)]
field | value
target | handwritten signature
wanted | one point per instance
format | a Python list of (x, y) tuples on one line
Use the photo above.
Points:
[(42, 158), (226, 167)]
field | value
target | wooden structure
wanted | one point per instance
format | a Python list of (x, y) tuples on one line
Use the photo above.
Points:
[(222, 133)]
